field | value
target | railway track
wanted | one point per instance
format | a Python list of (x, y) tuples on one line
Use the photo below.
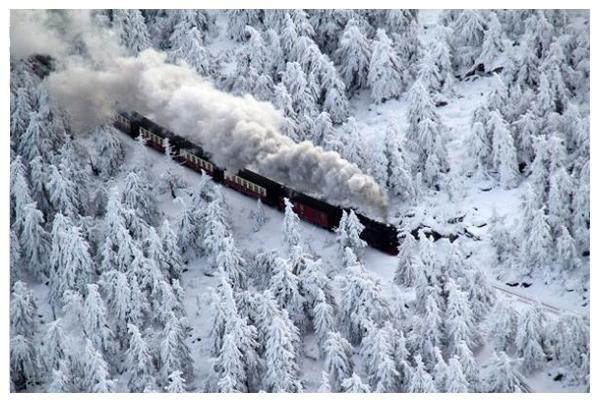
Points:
[(528, 300)]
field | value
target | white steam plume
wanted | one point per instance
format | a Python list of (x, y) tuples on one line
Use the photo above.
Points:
[(237, 131)]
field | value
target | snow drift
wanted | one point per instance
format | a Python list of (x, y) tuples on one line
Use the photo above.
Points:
[(237, 131)]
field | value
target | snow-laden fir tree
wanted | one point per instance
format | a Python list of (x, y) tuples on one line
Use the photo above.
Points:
[(323, 322), (423, 137), (291, 225), (469, 367), (559, 199), (176, 383), (529, 339), (132, 29), (566, 250), (440, 372), (338, 359), (284, 286), (502, 375), (502, 325), (535, 250), (96, 377), (281, 357), (35, 141), (117, 293), (229, 367), (20, 193), (187, 45), (23, 310), (61, 380), (408, 269), (24, 362), (230, 261), (377, 352), (224, 309), (56, 346), (174, 352), (95, 320), (504, 153), (353, 56), (348, 233), (467, 39), (570, 338), (384, 75), (138, 361), (492, 46), (34, 241), (171, 253), (237, 20), (361, 303), (420, 379), (397, 172), (20, 115), (354, 384), (459, 322), (73, 268), (335, 102), (457, 382)]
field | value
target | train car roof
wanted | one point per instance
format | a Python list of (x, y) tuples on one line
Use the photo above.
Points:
[(259, 179), (315, 203)]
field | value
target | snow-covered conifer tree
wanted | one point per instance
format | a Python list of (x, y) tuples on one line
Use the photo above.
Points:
[(24, 363), (457, 382), (56, 346), (138, 361), (537, 243), (384, 76), (529, 339), (503, 151), (408, 269), (74, 266), (469, 367), (237, 20), (348, 233), (338, 359), (229, 367), (420, 379), (467, 39), (502, 325), (377, 352), (503, 376), (291, 225), (96, 376), (174, 353), (176, 383), (492, 46), (361, 303), (95, 322), (281, 358), (353, 56), (34, 240), (566, 250), (284, 286), (354, 384), (132, 29), (459, 322)]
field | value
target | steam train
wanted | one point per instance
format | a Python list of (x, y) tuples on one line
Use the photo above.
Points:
[(378, 235)]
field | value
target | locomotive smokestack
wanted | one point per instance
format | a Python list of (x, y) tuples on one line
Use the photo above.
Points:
[(238, 131)]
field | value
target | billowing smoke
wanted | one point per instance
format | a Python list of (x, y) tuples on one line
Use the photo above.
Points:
[(237, 131)]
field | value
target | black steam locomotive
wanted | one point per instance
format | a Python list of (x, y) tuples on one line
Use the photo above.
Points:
[(377, 234)]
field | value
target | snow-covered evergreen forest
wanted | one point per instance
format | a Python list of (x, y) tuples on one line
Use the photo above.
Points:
[(129, 273)]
